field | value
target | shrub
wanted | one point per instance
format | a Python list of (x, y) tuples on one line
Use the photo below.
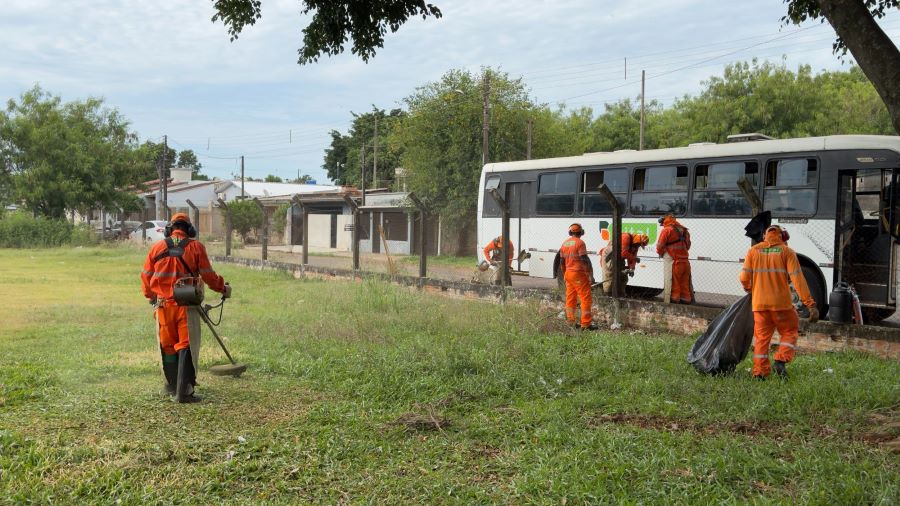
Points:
[(246, 216), (21, 230)]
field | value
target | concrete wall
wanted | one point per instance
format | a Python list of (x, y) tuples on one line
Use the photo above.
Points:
[(649, 315)]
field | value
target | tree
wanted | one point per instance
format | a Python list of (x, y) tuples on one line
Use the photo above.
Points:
[(152, 155), (246, 217), (63, 156), (271, 178), (342, 159), (854, 22), (440, 138), (333, 23), (303, 179), (187, 159)]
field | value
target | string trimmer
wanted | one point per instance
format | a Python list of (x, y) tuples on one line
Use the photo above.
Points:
[(234, 368)]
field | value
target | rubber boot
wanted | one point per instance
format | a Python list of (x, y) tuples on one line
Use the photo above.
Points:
[(780, 369), (187, 378), (170, 370)]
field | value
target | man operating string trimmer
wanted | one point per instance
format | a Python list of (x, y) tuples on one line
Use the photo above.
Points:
[(177, 257)]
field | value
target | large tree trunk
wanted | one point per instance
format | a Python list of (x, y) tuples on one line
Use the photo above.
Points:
[(873, 50)]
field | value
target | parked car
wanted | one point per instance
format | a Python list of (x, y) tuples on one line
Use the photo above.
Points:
[(154, 228)]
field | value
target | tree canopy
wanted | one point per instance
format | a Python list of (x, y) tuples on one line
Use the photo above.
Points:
[(59, 156), (333, 23), (854, 23), (342, 158)]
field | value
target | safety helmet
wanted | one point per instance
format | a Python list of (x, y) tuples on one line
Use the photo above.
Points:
[(640, 239), (785, 236), (663, 218), (576, 229), (183, 219)]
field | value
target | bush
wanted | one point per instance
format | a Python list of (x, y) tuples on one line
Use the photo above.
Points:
[(246, 216), (21, 230)]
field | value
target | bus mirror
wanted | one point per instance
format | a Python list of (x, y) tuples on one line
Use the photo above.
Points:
[(492, 183)]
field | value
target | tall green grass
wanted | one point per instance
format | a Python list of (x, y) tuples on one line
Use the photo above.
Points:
[(22, 230), (513, 408)]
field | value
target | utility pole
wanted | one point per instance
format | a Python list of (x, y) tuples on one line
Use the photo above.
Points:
[(485, 117), (242, 177), (528, 145), (641, 142), (375, 154), (362, 173), (165, 179)]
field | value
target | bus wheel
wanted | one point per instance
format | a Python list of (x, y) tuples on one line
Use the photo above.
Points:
[(816, 289), (876, 314)]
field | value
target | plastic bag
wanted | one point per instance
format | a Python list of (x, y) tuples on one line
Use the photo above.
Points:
[(726, 341)]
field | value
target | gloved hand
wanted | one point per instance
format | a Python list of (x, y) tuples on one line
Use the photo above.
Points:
[(813, 315), (227, 293), (637, 260), (629, 272), (152, 300)]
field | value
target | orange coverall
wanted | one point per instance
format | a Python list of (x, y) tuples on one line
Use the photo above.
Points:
[(578, 279), (494, 248), (675, 240), (765, 275), (629, 251), (158, 280)]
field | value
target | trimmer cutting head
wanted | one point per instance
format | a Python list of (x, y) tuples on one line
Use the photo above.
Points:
[(234, 370)]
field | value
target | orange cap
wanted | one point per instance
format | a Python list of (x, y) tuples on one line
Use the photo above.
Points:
[(575, 228), (641, 239), (180, 217)]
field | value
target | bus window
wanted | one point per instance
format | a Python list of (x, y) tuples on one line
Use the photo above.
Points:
[(715, 188), (594, 204), (660, 190), (791, 187), (489, 208), (556, 194)]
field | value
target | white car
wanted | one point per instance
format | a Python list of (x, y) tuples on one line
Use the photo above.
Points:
[(155, 231)]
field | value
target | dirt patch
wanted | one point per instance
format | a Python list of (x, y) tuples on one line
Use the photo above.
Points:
[(882, 429)]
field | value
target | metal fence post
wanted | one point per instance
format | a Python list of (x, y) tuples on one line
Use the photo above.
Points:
[(305, 210), (504, 250), (228, 230), (423, 255), (265, 229), (616, 238), (355, 241), (195, 216)]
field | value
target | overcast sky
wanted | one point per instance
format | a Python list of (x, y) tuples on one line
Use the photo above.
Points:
[(170, 70)]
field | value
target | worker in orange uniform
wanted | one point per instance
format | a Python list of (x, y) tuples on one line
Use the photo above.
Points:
[(629, 247), (767, 268), (579, 275), (493, 252), (176, 257), (673, 245)]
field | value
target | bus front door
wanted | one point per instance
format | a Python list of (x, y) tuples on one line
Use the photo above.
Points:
[(865, 255), (517, 195)]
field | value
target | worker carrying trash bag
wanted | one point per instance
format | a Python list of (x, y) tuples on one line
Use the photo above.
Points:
[(673, 245), (768, 267), (579, 275), (178, 256), (630, 244)]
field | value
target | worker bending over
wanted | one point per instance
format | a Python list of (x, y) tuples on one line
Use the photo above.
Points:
[(673, 245), (767, 268), (579, 276), (178, 256), (493, 252), (630, 243)]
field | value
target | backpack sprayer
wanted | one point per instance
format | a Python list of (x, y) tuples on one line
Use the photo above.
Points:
[(189, 291)]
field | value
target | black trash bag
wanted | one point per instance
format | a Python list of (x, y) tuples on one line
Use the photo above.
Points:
[(756, 228), (726, 341)]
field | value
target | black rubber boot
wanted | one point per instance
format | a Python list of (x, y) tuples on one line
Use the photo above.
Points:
[(187, 378), (170, 370), (592, 326), (780, 369)]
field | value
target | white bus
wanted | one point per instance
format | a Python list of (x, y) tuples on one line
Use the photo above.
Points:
[(833, 194)]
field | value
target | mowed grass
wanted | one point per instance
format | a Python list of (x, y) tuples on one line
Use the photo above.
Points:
[(364, 392)]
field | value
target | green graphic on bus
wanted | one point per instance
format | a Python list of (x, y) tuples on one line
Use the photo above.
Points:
[(648, 229)]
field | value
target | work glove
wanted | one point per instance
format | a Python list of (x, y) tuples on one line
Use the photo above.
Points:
[(152, 300), (629, 272), (813, 315), (227, 293)]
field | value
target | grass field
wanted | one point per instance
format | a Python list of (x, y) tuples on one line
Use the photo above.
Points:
[(363, 392)]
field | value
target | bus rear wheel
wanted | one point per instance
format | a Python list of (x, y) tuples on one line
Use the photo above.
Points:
[(816, 289)]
